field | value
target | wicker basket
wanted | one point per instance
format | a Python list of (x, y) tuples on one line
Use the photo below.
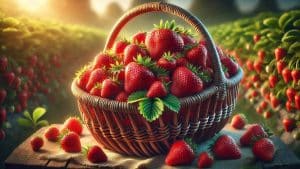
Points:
[(118, 126)]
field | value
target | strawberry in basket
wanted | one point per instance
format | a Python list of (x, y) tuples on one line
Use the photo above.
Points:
[(154, 69)]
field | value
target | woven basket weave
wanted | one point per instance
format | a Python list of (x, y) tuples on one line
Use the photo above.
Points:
[(118, 126)]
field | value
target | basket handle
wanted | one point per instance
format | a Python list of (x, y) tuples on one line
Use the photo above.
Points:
[(219, 77)]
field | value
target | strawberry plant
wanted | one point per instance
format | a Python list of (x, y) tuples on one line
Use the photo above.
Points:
[(33, 120), (268, 48)]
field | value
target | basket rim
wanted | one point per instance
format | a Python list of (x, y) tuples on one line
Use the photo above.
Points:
[(118, 106)]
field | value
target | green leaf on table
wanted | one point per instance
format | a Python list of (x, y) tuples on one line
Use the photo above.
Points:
[(42, 123), (151, 109), (38, 113), (137, 96), (172, 102), (24, 122)]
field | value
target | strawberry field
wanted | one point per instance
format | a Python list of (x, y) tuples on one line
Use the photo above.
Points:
[(268, 48)]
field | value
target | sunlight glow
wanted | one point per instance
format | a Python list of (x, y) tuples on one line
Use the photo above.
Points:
[(32, 5), (99, 6)]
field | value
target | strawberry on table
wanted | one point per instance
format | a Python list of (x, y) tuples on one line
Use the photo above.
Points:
[(36, 143), (71, 143), (226, 148), (264, 149), (52, 134), (253, 132), (73, 124), (96, 155), (205, 160), (180, 154), (157, 89), (238, 121)]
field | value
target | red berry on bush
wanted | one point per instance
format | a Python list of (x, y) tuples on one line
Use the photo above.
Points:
[(273, 81), (287, 75), (280, 66), (256, 38), (261, 55), (288, 124), (280, 53), (296, 75)]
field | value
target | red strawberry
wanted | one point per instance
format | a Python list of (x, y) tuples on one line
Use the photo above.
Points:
[(22, 97), (3, 63), (185, 82), (33, 60), (96, 90), (274, 101), (289, 106), (280, 66), (180, 154), (9, 77), (139, 37), (96, 155), (225, 148), (30, 73), (267, 114), (181, 62), (255, 78), (97, 76), (163, 40), (3, 95), (289, 124), (280, 53), (109, 88), (187, 39), (252, 133), (73, 124), (52, 134), (205, 160), (249, 64), (287, 75), (16, 83), (131, 52), (254, 93), (264, 149), (296, 75), (167, 62), (102, 60), (119, 47), (2, 115), (290, 93), (264, 104), (273, 81), (157, 89), (238, 121), (71, 143), (137, 77), (231, 66), (36, 143), (122, 97), (256, 38), (257, 66), (259, 110), (2, 134), (297, 101), (261, 55), (18, 108), (84, 78), (197, 55)]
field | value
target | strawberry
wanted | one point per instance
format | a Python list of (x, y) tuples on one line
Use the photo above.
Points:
[(137, 77), (205, 160), (131, 52), (30, 73), (18, 108), (52, 134), (290, 93), (255, 78), (267, 114), (289, 106), (280, 65), (119, 46), (157, 89), (231, 66), (22, 97), (16, 83), (167, 62), (287, 75), (197, 55), (36, 143), (32, 60), (180, 154), (225, 148), (139, 37), (280, 53), (3, 95), (296, 75), (249, 65), (264, 104), (238, 121), (96, 90), (9, 77), (252, 133), (118, 71), (261, 55), (257, 66), (96, 155), (256, 38), (71, 143), (273, 81), (259, 110), (187, 39), (264, 149), (73, 124), (297, 101), (289, 124), (2, 115), (163, 39), (3, 63), (109, 88), (181, 62), (122, 97), (274, 101), (185, 82), (97, 76), (102, 60), (254, 93), (83, 78), (2, 134)]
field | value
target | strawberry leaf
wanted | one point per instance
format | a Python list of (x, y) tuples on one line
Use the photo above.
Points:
[(172, 102), (137, 96), (151, 109)]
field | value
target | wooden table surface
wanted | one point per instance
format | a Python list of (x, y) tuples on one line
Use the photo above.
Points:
[(24, 157)]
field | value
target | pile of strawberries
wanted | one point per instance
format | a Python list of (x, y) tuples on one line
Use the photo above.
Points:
[(225, 147), (154, 67), (69, 139)]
